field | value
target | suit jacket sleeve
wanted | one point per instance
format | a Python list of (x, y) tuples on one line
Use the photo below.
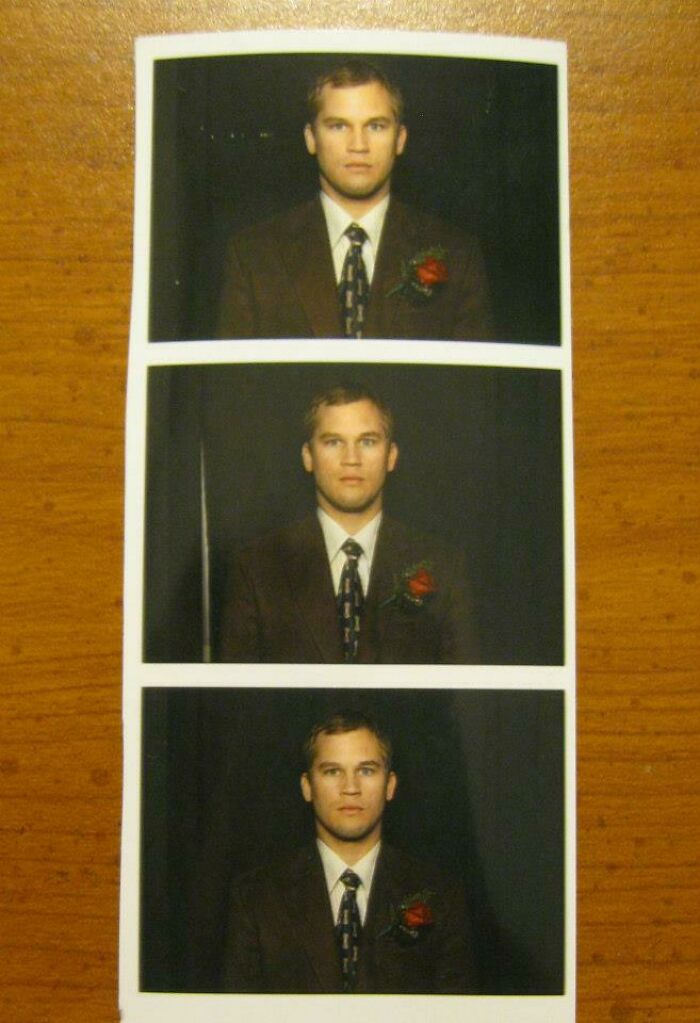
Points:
[(243, 968), (237, 318), (473, 315), (240, 636), (459, 639), (454, 968)]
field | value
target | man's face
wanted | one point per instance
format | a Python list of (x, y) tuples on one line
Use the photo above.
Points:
[(356, 139), (348, 786), (349, 455)]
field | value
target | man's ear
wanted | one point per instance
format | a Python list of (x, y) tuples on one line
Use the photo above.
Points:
[(310, 139), (392, 457), (305, 787), (391, 782), (306, 457), (401, 139)]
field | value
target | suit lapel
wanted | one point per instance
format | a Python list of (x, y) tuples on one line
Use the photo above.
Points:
[(306, 900), (389, 558), (306, 253), (398, 244), (311, 588), (384, 901), (307, 256)]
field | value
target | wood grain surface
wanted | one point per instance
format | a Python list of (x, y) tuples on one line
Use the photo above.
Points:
[(66, 173)]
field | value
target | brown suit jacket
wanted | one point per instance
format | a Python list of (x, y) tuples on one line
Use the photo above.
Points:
[(279, 281), (280, 604), (281, 935)]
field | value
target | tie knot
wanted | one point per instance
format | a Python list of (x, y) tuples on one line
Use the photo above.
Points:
[(350, 880), (351, 549), (356, 234)]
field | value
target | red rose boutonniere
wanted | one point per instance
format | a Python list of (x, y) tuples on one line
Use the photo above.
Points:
[(422, 274), (413, 920), (414, 587)]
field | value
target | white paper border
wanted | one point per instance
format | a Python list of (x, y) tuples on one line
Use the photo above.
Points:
[(140, 1007)]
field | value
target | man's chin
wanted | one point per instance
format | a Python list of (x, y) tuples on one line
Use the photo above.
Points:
[(359, 189), (346, 832), (351, 505)]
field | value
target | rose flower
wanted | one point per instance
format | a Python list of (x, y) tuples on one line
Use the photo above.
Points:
[(418, 914), (432, 271), (421, 583)]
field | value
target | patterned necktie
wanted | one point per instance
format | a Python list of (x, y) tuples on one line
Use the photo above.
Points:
[(349, 930), (350, 600), (353, 290)]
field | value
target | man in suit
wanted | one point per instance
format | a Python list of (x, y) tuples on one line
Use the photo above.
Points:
[(348, 914), (348, 584), (355, 261)]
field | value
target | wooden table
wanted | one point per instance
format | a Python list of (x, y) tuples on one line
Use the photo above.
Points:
[(66, 166)]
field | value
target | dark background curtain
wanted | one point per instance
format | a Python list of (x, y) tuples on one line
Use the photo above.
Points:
[(480, 465), (228, 151), (480, 792)]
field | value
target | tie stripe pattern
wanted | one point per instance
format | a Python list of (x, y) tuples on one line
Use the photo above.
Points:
[(353, 290), (349, 930), (350, 600)]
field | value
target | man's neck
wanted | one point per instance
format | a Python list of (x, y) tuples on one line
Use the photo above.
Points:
[(351, 522), (350, 852), (355, 208)]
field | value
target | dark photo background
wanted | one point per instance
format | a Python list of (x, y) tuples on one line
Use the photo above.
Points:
[(480, 793), (228, 151), (480, 466)]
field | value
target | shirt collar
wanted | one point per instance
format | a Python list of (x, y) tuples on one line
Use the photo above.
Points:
[(338, 220), (335, 536), (334, 866)]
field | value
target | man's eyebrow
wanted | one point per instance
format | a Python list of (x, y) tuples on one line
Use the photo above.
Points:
[(334, 433), (336, 119), (334, 763)]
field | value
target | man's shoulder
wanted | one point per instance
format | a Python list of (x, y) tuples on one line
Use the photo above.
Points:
[(292, 537), (278, 873), (415, 873), (414, 542), (428, 228), (291, 222)]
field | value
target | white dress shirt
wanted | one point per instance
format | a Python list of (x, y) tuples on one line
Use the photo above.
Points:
[(333, 867), (337, 222), (335, 536)]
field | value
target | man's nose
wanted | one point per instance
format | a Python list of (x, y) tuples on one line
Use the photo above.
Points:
[(358, 139), (351, 783), (352, 454)]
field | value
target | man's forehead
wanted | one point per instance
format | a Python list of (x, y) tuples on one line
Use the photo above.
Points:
[(370, 98), (359, 744), (362, 413)]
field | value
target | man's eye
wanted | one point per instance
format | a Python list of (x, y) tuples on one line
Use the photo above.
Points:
[(377, 126), (369, 442), (367, 770)]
